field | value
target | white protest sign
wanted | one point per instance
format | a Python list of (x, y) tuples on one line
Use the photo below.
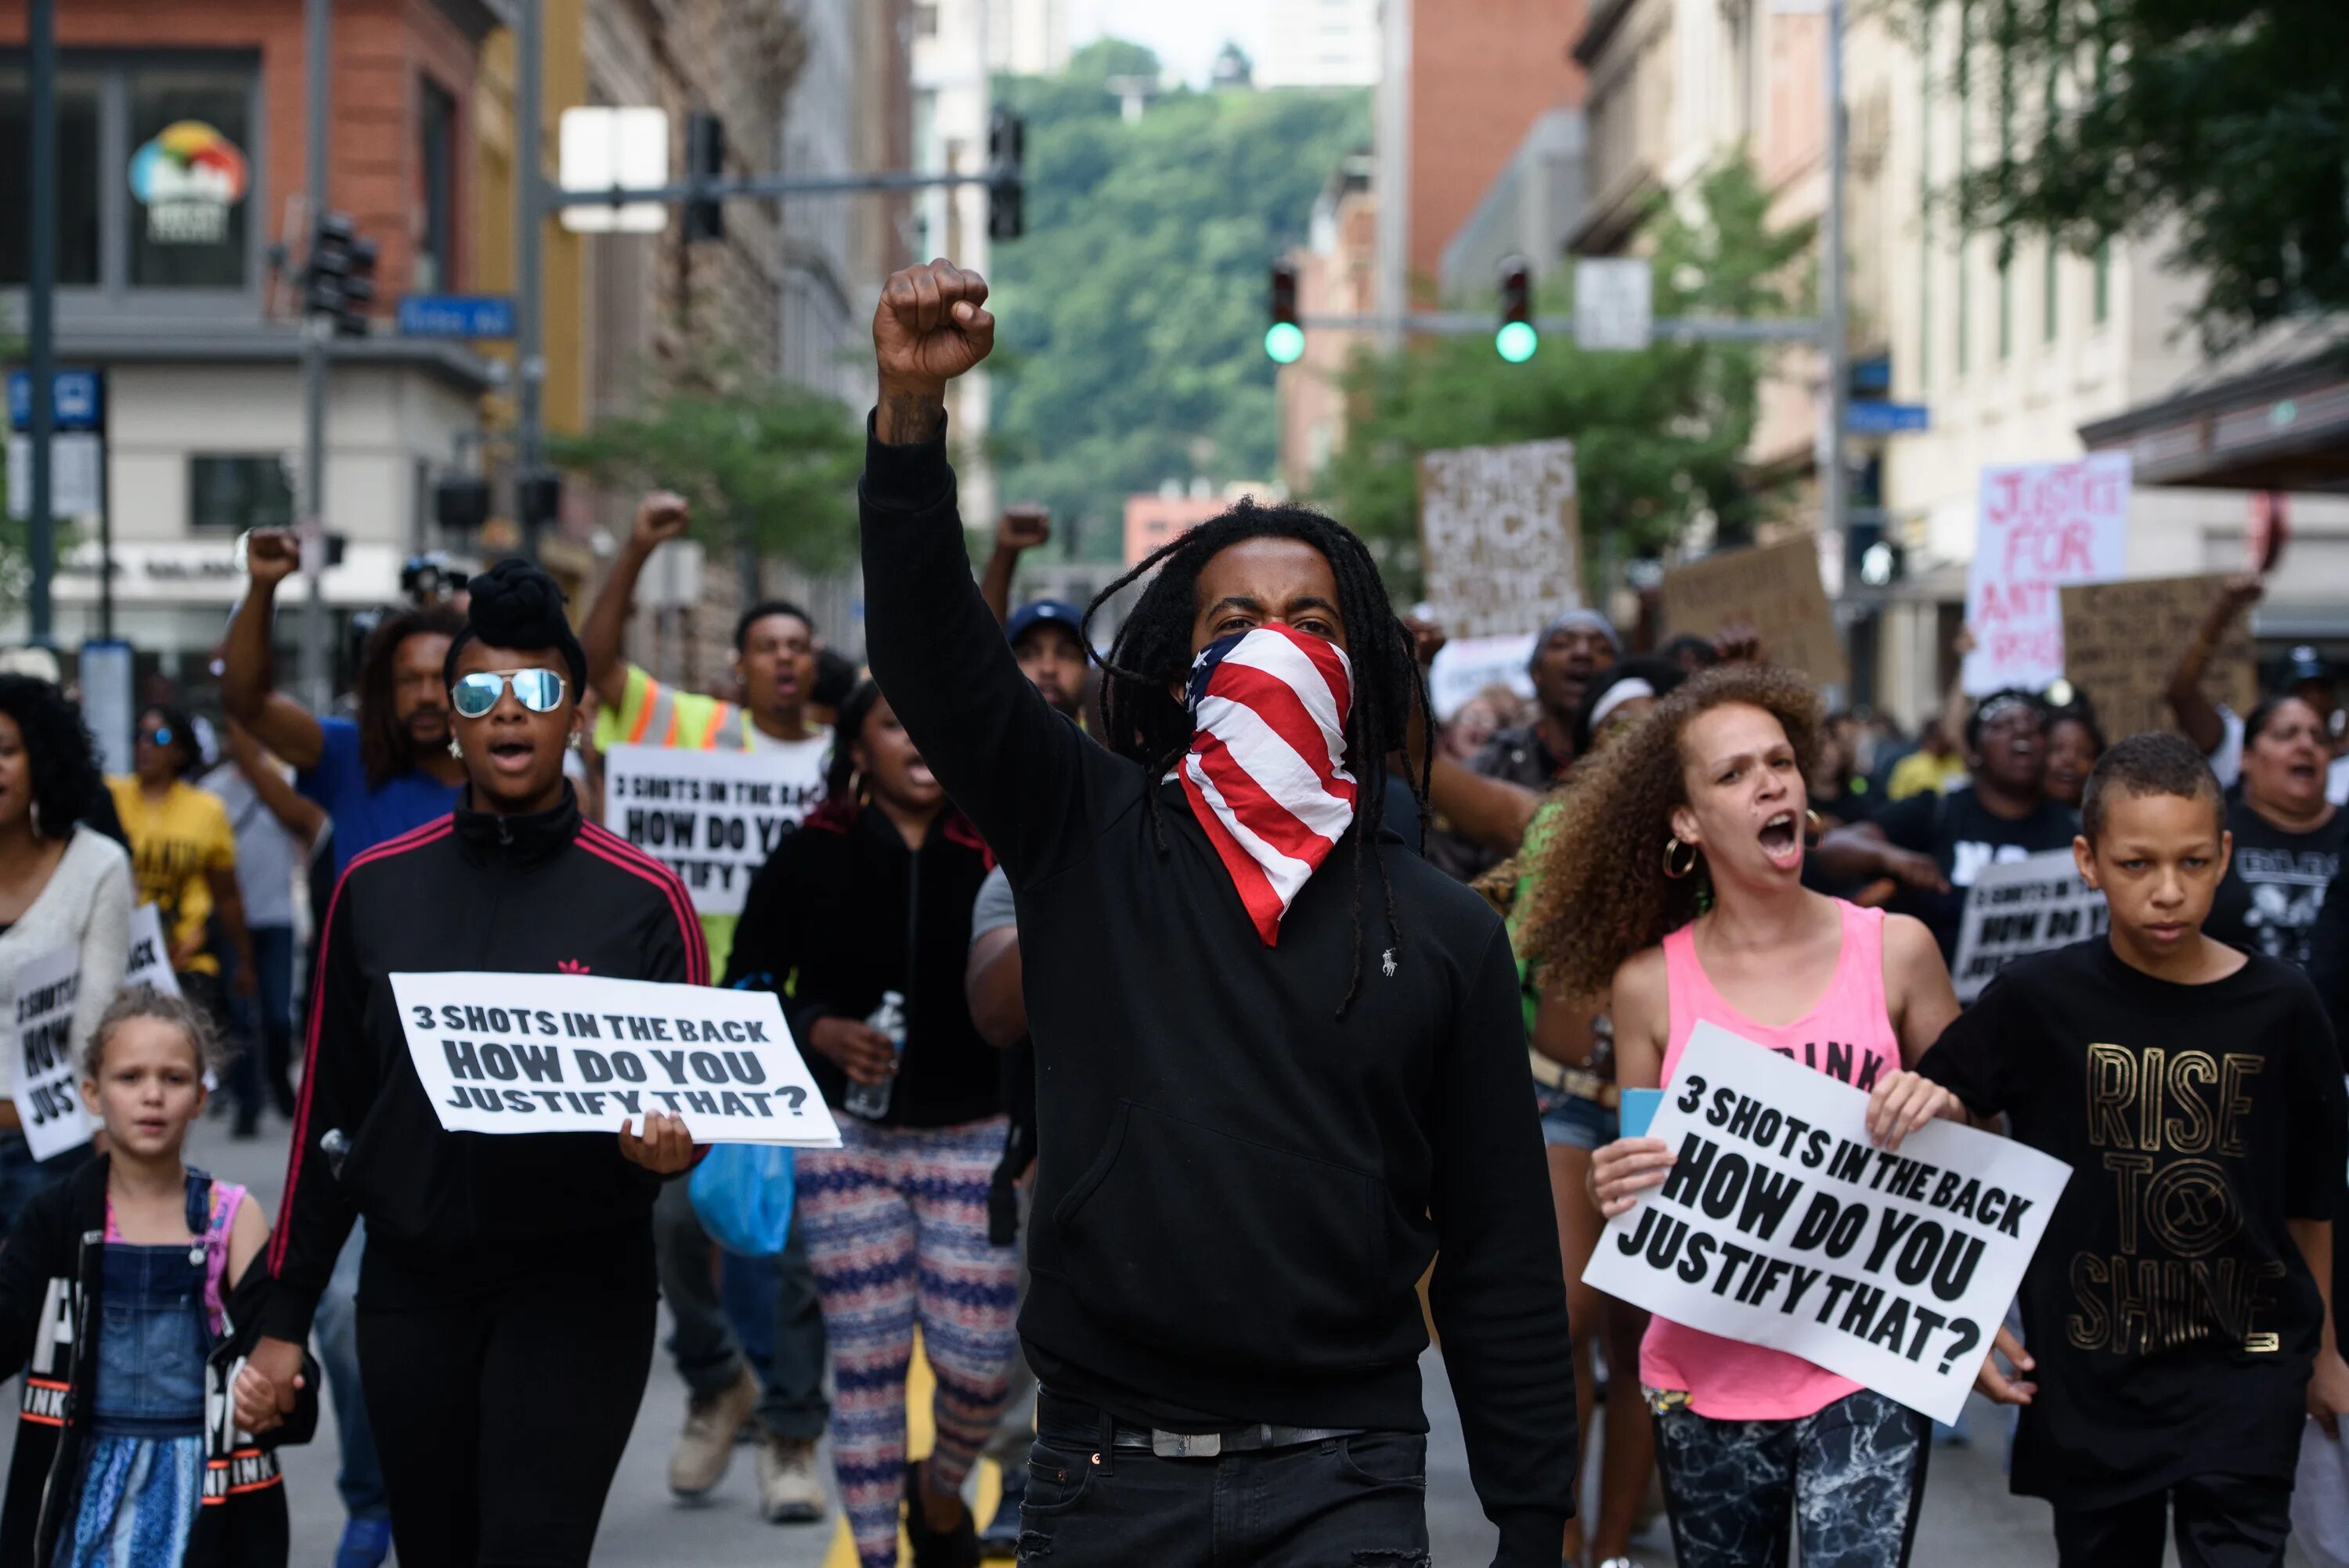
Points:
[(1780, 1225), (150, 955), (711, 817), (578, 1053), (1467, 665), (2016, 908), (48, 1099), (2039, 526)]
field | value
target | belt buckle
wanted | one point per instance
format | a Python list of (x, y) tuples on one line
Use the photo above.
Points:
[(1185, 1445)]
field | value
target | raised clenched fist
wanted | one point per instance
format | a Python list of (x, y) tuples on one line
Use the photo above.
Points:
[(271, 555), (1023, 527), (660, 517), (930, 327)]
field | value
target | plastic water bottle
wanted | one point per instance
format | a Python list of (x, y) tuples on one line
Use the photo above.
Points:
[(871, 1101)]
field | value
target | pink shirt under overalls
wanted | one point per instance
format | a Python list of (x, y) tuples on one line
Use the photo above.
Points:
[(1848, 1035)]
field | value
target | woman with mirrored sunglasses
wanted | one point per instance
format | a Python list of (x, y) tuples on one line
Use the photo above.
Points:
[(506, 1302)]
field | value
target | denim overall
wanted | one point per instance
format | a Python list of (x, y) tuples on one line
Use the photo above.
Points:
[(141, 1484)]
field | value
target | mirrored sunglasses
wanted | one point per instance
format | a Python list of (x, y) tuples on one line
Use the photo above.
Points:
[(473, 696)]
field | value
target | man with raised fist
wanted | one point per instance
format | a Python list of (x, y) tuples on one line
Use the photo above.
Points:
[(1279, 1059)]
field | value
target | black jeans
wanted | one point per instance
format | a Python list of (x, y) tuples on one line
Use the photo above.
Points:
[(1338, 1503), (500, 1418), (2223, 1521)]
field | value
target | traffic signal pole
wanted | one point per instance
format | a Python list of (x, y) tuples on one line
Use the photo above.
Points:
[(530, 213), (1835, 330), (317, 673), (40, 306)]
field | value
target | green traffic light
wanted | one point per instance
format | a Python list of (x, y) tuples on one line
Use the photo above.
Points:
[(1516, 341), (1284, 341)]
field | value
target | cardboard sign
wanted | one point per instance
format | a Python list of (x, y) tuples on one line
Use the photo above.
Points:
[(1781, 1225), (1776, 588), (712, 817), (2040, 527), (2017, 908), (48, 1072), (2120, 640), (577, 1053), (1501, 536)]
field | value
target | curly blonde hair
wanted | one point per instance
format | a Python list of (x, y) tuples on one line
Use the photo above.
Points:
[(1599, 892)]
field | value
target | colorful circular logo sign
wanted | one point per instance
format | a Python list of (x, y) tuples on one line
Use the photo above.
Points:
[(188, 177)]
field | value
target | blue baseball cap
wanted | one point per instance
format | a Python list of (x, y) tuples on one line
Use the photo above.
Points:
[(1042, 612)]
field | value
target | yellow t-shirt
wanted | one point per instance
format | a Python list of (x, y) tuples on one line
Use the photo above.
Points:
[(175, 844), (1920, 773)]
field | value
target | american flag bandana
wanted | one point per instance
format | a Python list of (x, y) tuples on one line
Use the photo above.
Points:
[(1265, 773)]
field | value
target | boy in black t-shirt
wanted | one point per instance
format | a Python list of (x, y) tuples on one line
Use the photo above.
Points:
[(2175, 1309)]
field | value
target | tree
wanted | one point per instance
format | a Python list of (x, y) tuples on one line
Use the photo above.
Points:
[(1133, 313), (1659, 435), (2222, 122), (750, 453)]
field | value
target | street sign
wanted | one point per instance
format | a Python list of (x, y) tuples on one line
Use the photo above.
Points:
[(1868, 417), (1614, 304), (457, 315), (614, 149), (78, 400), (77, 475)]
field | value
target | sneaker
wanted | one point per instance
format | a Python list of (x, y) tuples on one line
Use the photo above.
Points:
[(366, 1543), (1000, 1539), (707, 1444), (790, 1493), (953, 1548)]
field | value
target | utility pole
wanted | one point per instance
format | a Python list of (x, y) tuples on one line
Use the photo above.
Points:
[(40, 305), (318, 674), (1836, 307), (530, 352)]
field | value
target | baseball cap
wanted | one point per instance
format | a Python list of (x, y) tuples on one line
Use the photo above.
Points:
[(1042, 612)]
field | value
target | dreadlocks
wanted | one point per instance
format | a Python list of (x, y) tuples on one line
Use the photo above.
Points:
[(1151, 660)]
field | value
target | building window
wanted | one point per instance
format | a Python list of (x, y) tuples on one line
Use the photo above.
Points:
[(2103, 307), (78, 183), (157, 171), (925, 21), (230, 492), (436, 188), (2048, 284)]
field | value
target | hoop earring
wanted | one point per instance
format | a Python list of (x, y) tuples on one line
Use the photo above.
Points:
[(1674, 843), (33, 819), (574, 742), (456, 750), (1819, 829)]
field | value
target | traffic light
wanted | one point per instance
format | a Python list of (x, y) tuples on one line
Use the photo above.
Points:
[(339, 281), (1284, 340), (1006, 147), (705, 162), (1517, 337)]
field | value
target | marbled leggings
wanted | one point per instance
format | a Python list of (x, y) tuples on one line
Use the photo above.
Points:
[(1851, 1476)]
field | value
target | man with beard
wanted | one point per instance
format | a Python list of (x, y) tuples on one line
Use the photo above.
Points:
[(377, 776)]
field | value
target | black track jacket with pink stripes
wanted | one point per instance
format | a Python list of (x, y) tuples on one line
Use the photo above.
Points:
[(536, 895)]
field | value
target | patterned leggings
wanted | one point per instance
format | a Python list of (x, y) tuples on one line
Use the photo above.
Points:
[(895, 1220), (1852, 1475)]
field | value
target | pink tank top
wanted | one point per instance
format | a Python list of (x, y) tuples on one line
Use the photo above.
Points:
[(1848, 1036)]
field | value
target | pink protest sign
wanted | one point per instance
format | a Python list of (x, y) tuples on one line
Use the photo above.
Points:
[(2041, 526)]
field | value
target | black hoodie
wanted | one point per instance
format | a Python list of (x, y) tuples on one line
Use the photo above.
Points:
[(1238, 1190), (450, 1213)]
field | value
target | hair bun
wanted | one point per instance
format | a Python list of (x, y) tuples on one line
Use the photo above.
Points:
[(517, 606)]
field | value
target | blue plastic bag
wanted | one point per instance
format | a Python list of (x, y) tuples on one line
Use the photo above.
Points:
[(742, 1194)]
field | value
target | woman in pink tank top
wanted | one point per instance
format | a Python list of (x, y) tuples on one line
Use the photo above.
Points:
[(1679, 899)]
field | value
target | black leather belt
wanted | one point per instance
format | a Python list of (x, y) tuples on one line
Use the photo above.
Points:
[(1169, 1445)]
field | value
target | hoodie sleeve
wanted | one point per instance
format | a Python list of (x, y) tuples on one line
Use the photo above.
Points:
[(769, 944), (1025, 776), (1499, 1290), (339, 1083)]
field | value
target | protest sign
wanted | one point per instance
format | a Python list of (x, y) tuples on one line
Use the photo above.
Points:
[(1775, 588), (2038, 527), (2017, 908), (579, 1053), (47, 1091), (1500, 536), (150, 956), (1781, 1225), (1467, 665), (711, 817), (2121, 638)]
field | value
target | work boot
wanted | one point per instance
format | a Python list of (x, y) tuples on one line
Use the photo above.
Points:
[(706, 1443), (789, 1491), (1000, 1539)]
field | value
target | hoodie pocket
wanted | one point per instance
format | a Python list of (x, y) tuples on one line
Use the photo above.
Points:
[(1197, 1243)]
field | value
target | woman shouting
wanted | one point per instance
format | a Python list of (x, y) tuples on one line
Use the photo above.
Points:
[(499, 1268)]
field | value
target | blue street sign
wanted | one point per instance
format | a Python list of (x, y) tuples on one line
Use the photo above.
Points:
[(1875, 418), (457, 315), (78, 400)]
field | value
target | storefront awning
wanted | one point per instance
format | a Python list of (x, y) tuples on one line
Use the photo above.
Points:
[(100, 343), (2273, 418)]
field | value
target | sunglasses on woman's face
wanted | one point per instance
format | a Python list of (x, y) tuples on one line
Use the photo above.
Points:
[(473, 696), (157, 738)]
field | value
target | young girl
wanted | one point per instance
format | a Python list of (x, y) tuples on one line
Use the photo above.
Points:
[(125, 1454)]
